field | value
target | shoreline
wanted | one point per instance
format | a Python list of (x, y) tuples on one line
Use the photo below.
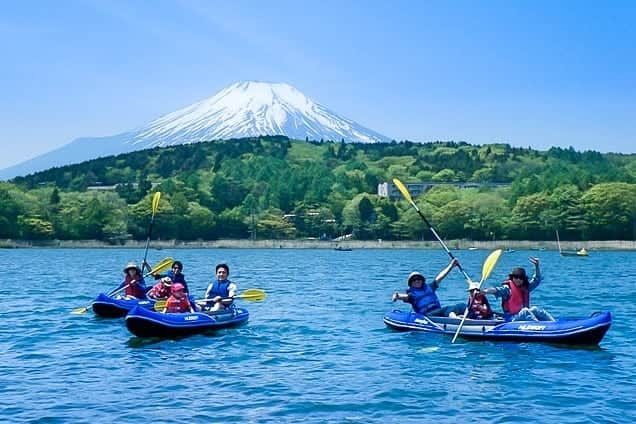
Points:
[(325, 244)]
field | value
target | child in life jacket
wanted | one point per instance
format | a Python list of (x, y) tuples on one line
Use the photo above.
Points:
[(178, 301), (161, 290), (478, 306)]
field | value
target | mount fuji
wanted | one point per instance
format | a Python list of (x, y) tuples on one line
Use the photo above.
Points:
[(244, 109)]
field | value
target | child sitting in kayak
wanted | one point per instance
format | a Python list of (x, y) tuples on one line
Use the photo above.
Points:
[(178, 301), (423, 298), (161, 290), (175, 274), (478, 306)]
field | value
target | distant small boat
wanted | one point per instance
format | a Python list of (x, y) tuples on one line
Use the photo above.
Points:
[(472, 248), (509, 250), (580, 252), (342, 249)]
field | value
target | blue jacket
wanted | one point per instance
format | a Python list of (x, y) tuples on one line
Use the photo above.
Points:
[(175, 279), (423, 300)]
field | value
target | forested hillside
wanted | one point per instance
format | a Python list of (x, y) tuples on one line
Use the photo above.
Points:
[(273, 187)]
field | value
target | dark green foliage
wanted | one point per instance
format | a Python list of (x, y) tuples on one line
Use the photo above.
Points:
[(235, 188), (10, 209)]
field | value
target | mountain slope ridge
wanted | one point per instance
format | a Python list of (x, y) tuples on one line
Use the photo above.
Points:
[(243, 109)]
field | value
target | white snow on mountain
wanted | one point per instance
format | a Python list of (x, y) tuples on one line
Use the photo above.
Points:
[(244, 109), (247, 109)]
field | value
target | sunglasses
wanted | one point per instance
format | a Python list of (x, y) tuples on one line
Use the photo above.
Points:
[(521, 277)]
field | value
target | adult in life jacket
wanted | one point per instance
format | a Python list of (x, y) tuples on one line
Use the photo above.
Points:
[(178, 301), (423, 297), (161, 290), (478, 305), (220, 293), (515, 295), (176, 275), (134, 285)]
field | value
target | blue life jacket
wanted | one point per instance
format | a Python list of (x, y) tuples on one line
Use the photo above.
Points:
[(218, 288), (423, 300)]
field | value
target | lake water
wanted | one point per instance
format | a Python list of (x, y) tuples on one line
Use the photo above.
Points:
[(315, 351)]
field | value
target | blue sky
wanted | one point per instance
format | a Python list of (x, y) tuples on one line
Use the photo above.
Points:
[(529, 73)]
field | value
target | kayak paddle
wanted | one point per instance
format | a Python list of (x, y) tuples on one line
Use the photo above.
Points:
[(489, 265), (159, 267), (407, 196), (251, 295), (155, 207)]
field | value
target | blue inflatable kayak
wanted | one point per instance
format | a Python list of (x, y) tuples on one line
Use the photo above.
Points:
[(143, 322), (573, 331), (110, 307)]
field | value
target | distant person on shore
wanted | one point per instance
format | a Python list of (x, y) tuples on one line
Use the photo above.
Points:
[(178, 301), (515, 295), (423, 298), (161, 290), (176, 275), (220, 293), (478, 305), (134, 285)]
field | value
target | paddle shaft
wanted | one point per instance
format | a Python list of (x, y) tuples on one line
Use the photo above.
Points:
[(222, 299), (158, 268), (161, 303), (152, 271), (439, 239), (155, 206), (461, 324), (253, 295), (124, 287), (152, 220), (489, 264)]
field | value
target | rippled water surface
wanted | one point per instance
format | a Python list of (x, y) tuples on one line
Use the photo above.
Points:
[(316, 350)]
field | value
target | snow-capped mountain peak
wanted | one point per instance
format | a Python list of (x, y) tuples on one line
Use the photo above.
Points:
[(244, 109), (252, 108)]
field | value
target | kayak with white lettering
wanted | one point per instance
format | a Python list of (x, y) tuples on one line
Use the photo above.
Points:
[(573, 331), (143, 322), (115, 307)]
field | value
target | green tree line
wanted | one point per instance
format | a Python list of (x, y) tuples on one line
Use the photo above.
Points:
[(274, 187)]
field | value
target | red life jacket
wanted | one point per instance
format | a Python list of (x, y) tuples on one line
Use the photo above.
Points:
[(178, 305), (159, 291), (479, 307), (519, 298), (135, 289)]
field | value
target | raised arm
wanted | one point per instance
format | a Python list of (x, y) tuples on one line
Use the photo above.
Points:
[(536, 277), (443, 273)]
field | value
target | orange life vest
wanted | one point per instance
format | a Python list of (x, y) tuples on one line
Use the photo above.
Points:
[(177, 305)]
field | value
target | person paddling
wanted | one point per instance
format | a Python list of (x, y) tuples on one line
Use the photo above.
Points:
[(423, 298), (220, 293), (515, 295), (135, 286)]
